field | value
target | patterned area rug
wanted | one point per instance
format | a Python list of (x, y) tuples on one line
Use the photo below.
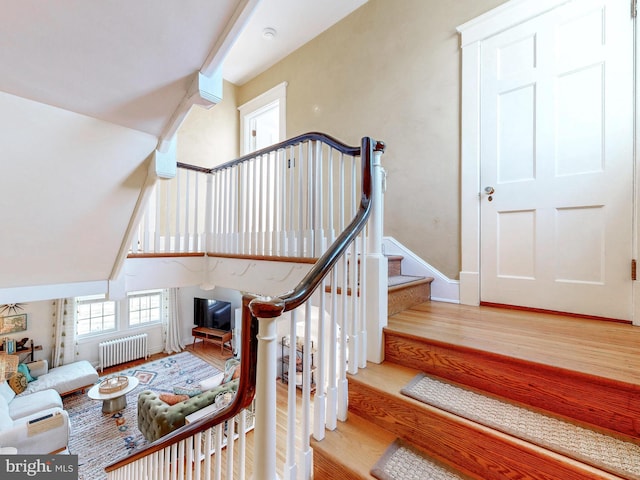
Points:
[(401, 461), (100, 439), (588, 446)]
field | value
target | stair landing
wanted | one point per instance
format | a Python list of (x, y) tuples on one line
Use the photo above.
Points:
[(583, 370)]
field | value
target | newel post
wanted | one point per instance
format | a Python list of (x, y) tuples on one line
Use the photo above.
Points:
[(377, 269), (267, 311)]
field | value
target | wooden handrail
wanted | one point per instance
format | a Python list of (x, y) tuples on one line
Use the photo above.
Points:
[(338, 145), (254, 307)]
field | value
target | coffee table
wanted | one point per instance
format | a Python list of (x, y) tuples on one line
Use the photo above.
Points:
[(113, 402)]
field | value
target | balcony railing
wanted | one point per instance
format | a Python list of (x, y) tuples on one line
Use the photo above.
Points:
[(289, 200)]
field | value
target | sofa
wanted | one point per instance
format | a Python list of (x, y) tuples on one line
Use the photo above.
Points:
[(33, 423), (157, 416), (65, 379)]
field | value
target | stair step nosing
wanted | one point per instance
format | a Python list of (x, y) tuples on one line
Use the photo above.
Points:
[(418, 406)]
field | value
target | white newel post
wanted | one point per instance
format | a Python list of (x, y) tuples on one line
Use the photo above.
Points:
[(376, 267), (265, 426)]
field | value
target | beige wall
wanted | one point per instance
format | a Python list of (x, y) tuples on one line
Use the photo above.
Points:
[(210, 137), (391, 70)]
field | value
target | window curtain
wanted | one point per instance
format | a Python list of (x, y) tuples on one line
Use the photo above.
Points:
[(171, 322), (65, 345)]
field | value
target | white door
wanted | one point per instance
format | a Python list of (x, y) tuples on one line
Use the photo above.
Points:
[(265, 127), (556, 147)]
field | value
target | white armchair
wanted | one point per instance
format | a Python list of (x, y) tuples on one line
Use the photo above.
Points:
[(29, 435), (33, 423)]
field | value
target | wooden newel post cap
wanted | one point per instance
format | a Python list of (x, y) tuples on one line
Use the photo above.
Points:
[(266, 307)]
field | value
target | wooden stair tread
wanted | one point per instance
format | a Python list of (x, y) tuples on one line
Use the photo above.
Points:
[(351, 450), (564, 342), (375, 393), (523, 375)]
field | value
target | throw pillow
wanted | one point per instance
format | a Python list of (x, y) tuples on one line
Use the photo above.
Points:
[(18, 382), (232, 372), (211, 382), (189, 391), (22, 368), (172, 398)]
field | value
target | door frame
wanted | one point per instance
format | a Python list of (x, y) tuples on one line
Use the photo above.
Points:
[(472, 34), (274, 96)]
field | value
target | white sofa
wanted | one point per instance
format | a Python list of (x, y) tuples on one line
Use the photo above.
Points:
[(49, 435), (65, 379)]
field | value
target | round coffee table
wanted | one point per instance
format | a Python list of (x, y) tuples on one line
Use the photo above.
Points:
[(113, 402)]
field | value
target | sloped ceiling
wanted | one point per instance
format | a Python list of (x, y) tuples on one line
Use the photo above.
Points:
[(128, 63), (87, 89)]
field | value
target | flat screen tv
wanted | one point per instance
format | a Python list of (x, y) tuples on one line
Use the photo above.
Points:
[(212, 313)]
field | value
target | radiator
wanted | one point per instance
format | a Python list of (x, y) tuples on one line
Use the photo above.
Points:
[(120, 350)]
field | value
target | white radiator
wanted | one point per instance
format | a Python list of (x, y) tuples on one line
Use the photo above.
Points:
[(120, 350)]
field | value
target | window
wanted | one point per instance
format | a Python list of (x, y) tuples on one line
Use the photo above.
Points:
[(95, 315), (145, 307)]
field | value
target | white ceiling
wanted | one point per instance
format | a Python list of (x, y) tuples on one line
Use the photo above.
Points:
[(295, 21), (131, 63)]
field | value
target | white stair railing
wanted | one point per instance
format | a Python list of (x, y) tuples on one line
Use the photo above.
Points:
[(286, 201), (333, 188)]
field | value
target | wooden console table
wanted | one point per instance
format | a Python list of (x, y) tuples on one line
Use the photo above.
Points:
[(223, 337)]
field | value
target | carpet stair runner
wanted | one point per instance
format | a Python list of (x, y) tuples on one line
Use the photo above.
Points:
[(469, 448), (405, 291)]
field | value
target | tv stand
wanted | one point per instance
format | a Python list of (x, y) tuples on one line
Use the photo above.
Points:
[(223, 337)]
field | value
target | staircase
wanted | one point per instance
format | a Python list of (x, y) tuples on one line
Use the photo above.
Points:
[(405, 290), (379, 413)]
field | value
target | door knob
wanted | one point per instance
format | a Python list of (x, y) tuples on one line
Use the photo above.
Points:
[(489, 190)]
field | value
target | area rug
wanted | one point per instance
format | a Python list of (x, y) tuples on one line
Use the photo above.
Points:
[(401, 461), (588, 446), (100, 439)]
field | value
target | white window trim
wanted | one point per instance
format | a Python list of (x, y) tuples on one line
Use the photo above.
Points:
[(142, 293), (91, 335)]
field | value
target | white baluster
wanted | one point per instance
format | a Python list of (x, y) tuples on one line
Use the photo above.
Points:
[(300, 208), (344, 334), (167, 228), (242, 227), (306, 454), (242, 444), (187, 212), (320, 399), (176, 246), (354, 340), (291, 468), (196, 246), (362, 280), (208, 218)]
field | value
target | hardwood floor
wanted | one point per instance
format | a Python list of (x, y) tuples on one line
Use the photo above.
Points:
[(606, 349), (593, 348), (582, 370)]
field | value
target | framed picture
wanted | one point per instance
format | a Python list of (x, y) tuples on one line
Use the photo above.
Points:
[(13, 324)]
